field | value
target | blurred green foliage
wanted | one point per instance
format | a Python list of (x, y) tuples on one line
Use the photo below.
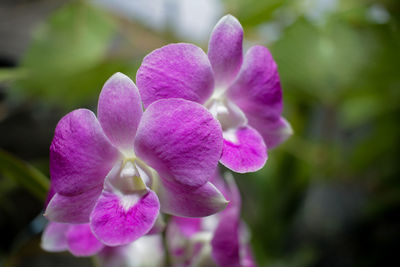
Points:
[(341, 90), (24, 174), (329, 196), (67, 56)]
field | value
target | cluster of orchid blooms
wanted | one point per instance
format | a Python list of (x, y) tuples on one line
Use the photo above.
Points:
[(114, 176)]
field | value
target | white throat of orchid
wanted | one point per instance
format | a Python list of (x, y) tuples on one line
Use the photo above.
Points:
[(202, 241), (226, 112), (130, 179), (208, 226)]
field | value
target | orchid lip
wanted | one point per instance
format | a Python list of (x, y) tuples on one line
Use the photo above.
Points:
[(130, 180), (230, 135)]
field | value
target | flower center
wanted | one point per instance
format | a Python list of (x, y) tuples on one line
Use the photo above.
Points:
[(130, 176), (130, 179), (225, 111)]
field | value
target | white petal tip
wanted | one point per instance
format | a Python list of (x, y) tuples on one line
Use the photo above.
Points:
[(229, 18), (118, 77), (221, 203), (287, 130)]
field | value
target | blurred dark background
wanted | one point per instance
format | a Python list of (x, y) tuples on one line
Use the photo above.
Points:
[(329, 196)]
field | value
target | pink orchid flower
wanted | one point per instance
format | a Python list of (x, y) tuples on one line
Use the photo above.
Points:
[(117, 172), (245, 95)]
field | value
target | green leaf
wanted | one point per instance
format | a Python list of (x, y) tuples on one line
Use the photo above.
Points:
[(355, 111), (322, 61), (24, 174)]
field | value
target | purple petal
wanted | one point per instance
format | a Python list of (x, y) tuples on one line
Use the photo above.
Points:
[(244, 150), (184, 201), (72, 209), (274, 130), (181, 140), (175, 71), (225, 49), (119, 110), (225, 243), (247, 259), (81, 241), (53, 238), (119, 220), (80, 154), (228, 188), (257, 89), (230, 241), (187, 226)]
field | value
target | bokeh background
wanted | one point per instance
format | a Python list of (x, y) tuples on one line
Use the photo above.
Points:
[(329, 196)]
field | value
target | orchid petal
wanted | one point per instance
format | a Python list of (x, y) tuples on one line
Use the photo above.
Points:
[(81, 241), (80, 154), (119, 220), (175, 71), (53, 238), (274, 130), (247, 259), (228, 188), (187, 226), (225, 49), (184, 201), (181, 140), (119, 110), (72, 209), (244, 150), (257, 89), (225, 242)]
